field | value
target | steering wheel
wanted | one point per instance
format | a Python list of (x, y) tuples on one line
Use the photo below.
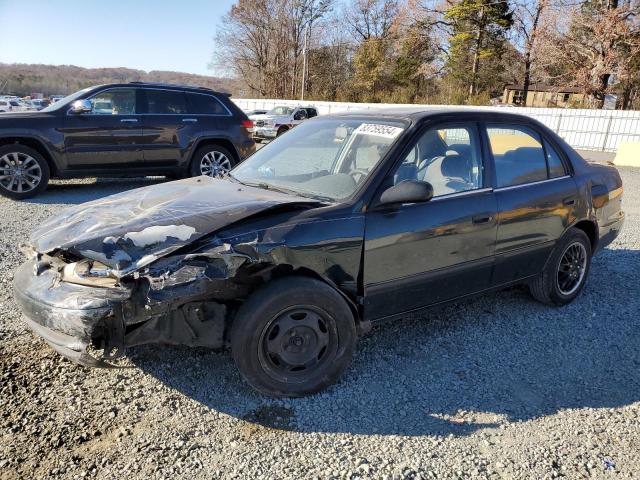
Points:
[(358, 174)]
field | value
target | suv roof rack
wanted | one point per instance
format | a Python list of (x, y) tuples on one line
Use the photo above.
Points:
[(174, 85)]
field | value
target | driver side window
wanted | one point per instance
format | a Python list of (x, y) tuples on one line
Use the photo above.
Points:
[(116, 101), (448, 157)]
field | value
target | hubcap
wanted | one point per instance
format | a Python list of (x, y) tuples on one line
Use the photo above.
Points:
[(296, 341), (19, 172), (572, 267), (215, 164)]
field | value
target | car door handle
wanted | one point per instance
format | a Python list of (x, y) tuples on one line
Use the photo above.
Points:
[(569, 201), (481, 219), (129, 120), (192, 120)]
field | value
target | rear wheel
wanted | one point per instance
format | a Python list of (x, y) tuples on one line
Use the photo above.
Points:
[(23, 172), (293, 337), (566, 272), (213, 161)]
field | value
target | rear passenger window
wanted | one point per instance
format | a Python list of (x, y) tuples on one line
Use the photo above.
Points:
[(165, 102), (200, 104), (518, 155), (556, 168)]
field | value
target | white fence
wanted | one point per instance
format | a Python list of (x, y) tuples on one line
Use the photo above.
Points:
[(586, 129)]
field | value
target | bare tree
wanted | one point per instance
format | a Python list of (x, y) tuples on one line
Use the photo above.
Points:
[(371, 18), (527, 16)]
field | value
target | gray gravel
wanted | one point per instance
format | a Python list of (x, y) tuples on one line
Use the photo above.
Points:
[(498, 387)]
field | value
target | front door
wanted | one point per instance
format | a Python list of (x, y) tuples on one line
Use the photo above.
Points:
[(108, 137), (536, 199), (420, 254), (168, 127)]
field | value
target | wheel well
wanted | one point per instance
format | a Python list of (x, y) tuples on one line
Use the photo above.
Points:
[(283, 128), (589, 227), (36, 145), (217, 141), (282, 271)]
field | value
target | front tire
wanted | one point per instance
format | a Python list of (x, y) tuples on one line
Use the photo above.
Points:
[(24, 173), (293, 337), (212, 160), (565, 274)]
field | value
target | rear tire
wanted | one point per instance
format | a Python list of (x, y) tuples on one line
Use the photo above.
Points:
[(566, 272), (212, 160), (24, 173), (293, 337)]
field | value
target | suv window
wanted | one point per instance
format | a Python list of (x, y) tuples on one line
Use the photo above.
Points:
[(448, 157), (165, 102), (518, 154), (205, 105), (116, 101), (311, 112)]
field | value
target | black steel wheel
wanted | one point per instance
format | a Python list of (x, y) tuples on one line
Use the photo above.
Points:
[(293, 337), (565, 274)]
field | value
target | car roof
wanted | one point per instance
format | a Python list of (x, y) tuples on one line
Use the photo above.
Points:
[(419, 113), (168, 86)]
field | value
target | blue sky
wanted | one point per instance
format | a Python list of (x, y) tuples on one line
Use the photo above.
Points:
[(144, 34)]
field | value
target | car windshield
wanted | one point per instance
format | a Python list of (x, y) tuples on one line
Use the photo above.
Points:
[(325, 158), (280, 111), (66, 100)]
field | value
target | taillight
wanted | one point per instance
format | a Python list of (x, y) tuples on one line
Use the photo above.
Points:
[(247, 124)]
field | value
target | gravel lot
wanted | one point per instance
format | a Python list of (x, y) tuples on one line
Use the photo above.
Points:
[(498, 387)]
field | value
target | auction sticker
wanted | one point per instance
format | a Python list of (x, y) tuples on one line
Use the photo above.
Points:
[(379, 130)]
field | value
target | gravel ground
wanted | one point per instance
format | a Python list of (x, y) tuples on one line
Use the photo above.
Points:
[(498, 387)]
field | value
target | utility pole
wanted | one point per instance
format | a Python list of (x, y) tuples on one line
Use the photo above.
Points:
[(304, 61)]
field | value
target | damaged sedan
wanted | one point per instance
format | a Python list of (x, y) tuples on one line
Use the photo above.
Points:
[(347, 221)]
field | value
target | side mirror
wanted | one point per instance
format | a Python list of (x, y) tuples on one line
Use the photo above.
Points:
[(81, 106), (408, 191)]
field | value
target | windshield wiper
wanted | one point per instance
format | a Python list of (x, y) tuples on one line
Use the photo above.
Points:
[(288, 191)]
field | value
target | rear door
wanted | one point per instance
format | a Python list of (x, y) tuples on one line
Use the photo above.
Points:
[(420, 254), (108, 137), (169, 129), (536, 197), (214, 119)]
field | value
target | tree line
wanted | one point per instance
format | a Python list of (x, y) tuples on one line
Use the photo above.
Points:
[(431, 51), (26, 79)]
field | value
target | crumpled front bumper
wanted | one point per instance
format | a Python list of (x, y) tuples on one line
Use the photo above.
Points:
[(69, 317)]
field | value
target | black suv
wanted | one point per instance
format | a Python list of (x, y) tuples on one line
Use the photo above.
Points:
[(132, 129)]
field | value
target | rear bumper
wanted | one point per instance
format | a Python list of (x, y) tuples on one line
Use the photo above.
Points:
[(610, 231), (265, 132), (69, 317)]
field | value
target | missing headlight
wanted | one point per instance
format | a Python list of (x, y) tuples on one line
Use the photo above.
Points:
[(90, 273)]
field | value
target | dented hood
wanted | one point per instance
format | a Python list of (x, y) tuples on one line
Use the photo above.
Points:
[(132, 229)]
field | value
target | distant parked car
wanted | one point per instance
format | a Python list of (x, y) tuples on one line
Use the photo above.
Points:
[(131, 129), (279, 120), (251, 113), (55, 98), (5, 106)]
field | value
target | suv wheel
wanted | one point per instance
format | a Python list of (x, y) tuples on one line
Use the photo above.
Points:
[(293, 336), (212, 160), (23, 172), (565, 274)]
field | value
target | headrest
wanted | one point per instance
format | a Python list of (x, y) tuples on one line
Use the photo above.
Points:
[(454, 166)]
